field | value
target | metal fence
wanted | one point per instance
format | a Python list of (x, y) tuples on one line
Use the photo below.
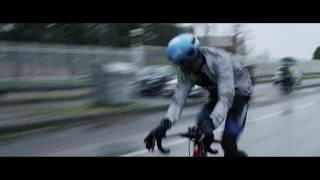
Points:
[(59, 60), (33, 59)]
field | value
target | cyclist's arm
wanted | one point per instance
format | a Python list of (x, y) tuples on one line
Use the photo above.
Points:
[(183, 88), (226, 89)]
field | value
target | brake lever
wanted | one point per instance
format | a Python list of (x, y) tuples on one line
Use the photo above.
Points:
[(212, 151)]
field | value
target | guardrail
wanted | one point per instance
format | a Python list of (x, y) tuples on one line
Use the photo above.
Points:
[(268, 78), (65, 85)]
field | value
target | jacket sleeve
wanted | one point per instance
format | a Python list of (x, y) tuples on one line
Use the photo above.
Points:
[(178, 100), (226, 89)]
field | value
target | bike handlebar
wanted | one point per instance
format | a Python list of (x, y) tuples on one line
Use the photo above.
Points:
[(194, 134)]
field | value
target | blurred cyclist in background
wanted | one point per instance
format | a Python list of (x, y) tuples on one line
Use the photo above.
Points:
[(227, 81), (288, 74)]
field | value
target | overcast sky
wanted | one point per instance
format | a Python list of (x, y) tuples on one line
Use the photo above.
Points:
[(279, 39)]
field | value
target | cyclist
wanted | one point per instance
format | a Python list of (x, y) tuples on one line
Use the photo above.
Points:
[(288, 72), (227, 81)]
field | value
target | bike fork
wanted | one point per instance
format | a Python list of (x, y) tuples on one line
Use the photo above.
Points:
[(198, 151)]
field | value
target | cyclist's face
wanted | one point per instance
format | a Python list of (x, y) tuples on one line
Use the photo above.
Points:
[(192, 66)]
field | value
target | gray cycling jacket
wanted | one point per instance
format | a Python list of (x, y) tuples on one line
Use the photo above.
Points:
[(227, 76)]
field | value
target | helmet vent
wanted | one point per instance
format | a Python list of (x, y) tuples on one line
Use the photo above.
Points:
[(193, 40)]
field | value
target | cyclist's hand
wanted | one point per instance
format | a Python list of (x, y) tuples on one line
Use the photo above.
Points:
[(157, 134), (150, 140), (207, 127)]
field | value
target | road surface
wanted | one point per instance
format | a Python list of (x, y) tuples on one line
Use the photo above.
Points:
[(284, 126)]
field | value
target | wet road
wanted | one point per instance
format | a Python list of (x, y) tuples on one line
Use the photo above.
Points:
[(285, 126)]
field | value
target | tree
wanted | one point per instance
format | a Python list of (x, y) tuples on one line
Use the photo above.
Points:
[(46, 32), (209, 29), (118, 34), (240, 37), (316, 54), (105, 34), (67, 33), (115, 34), (159, 34)]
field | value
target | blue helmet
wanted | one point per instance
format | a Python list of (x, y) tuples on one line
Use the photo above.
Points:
[(184, 47)]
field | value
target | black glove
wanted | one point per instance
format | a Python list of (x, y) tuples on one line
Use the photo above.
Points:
[(157, 134), (207, 127)]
